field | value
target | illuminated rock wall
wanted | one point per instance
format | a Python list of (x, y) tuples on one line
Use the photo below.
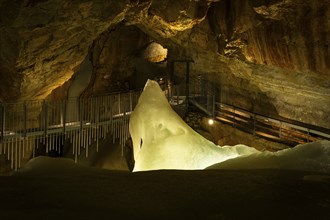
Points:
[(267, 56)]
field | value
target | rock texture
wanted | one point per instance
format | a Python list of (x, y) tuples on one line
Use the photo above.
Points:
[(268, 56), (46, 40)]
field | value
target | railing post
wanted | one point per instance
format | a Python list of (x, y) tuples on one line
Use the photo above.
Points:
[(80, 120), (119, 103), (64, 117), (234, 118), (177, 95), (44, 107), (208, 100), (187, 84), (213, 106), (254, 124), (308, 135), (2, 122), (24, 119), (130, 102)]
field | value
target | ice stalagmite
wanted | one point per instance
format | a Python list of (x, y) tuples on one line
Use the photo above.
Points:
[(162, 140)]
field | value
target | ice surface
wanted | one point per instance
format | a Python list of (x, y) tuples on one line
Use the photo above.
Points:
[(162, 140), (314, 156)]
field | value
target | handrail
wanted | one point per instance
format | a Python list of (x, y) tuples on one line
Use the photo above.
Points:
[(268, 127), (26, 125), (282, 119)]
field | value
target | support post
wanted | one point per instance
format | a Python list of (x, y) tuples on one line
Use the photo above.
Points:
[(177, 95), (44, 107), (64, 117), (187, 61), (254, 124), (187, 83), (213, 106), (234, 118), (24, 119), (2, 122), (80, 120), (308, 135), (130, 102)]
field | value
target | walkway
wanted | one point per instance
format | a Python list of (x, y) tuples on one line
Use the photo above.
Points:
[(25, 126)]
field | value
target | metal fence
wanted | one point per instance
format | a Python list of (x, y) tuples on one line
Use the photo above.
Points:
[(28, 125), (209, 98), (280, 130)]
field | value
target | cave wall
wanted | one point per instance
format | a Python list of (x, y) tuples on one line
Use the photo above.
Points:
[(261, 53), (44, 41), (118, 60), (268, 56)]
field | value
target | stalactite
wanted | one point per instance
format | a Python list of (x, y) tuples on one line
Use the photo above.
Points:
[(84, 138), (110, 118), (15, 152), (5, 147), (34, 150), (23, 146), (19, 154), (86, 147), (11, 154), (90, 133), (79, 142), (97, 141), (73, 145)]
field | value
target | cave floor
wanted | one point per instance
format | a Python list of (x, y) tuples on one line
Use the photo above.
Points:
[(88, 193)]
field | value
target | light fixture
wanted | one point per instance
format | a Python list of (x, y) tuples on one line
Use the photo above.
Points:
[(211, 121)]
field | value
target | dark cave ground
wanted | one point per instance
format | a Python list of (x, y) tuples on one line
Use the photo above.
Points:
[(67, 191)]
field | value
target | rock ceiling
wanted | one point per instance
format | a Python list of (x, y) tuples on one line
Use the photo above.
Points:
[(273, 54)]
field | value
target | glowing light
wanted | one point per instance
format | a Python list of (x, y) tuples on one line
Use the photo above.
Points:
[(211, 121), (155, 53)]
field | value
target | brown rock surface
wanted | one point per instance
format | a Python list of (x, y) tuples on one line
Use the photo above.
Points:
[(267, 56), (52, 38)]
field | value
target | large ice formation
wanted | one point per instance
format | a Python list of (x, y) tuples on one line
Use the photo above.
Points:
[(162, 140)]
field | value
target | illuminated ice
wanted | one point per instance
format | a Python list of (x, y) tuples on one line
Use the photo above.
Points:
[(314, 156), (162, 140)]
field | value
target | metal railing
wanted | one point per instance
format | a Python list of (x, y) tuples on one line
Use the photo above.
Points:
[(280, 130), (207, 97), (28, 125)]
